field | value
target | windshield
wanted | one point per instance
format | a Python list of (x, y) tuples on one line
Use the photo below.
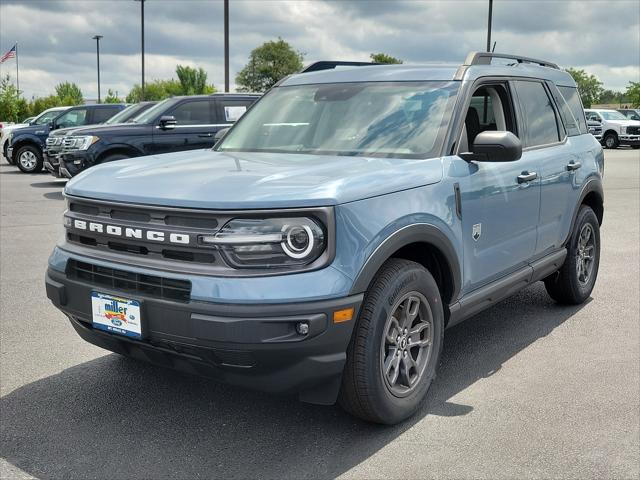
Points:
[(613, 116), (148, 115), (399, 119), (46, 117), (122, 115)]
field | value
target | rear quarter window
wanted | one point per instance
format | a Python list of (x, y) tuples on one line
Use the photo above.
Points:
[(570, 95)]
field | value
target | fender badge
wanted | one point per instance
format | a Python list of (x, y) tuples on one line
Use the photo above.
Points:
[(477, 231)]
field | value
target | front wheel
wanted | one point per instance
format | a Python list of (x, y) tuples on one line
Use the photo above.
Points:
[(573, 283), (611, 140), (396, 346), (29, 159)]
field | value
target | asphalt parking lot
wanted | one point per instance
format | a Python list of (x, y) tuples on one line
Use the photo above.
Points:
[(525, 389)]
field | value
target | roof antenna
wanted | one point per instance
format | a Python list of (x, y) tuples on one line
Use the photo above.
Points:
[(494, 47)]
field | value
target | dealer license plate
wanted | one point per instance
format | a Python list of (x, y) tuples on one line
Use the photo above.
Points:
[(116, 314)]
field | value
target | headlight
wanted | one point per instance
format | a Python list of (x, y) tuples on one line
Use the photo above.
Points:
[(269, 242), (80, 143)]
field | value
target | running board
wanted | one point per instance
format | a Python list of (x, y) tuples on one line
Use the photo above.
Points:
[(487, 296)]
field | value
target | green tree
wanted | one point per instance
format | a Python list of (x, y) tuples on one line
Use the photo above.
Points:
[(69, 93), (9, 100), (193, 80), (589, 87), (384, 58), (112, 97), (155, 90), (269, 63), (633, 94)]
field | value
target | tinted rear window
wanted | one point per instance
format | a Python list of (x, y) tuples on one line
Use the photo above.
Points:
[(540, 117)]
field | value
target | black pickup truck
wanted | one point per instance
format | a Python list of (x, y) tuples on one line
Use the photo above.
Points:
[(175, 124), (27, 144), (55, 141)]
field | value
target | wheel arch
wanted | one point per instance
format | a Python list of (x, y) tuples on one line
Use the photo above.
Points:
[(118, 149), (592, 195), (422, 243), (608, 131)]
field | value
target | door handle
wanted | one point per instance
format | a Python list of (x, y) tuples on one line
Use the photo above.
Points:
[(206, 135), (525, 177), (572, 166)]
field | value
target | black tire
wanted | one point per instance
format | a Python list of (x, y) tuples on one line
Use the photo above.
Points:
[(635, 147), (565, 286), (365, 392), (29, 159), (610, 140)]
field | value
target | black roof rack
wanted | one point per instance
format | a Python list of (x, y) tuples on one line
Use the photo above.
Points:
[(330, 64), (484, 58)]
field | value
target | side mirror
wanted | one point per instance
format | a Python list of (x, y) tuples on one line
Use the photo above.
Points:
[(168, 122), (220, 134), (492, 146), (52, 126)]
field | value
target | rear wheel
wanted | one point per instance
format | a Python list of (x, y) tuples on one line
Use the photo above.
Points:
[(29, 159), (395, 349), (573, 283), (611, 140)]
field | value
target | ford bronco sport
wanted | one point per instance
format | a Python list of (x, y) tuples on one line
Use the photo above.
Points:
[(342, 224)]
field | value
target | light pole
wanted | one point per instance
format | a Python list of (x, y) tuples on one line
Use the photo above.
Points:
[(489, 25), (226, 45), (142, 43), (97, 39)]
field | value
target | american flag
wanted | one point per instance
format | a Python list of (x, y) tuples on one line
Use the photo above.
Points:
[(10, 54)]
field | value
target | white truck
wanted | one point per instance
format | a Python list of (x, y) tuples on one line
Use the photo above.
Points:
[(616, 128)]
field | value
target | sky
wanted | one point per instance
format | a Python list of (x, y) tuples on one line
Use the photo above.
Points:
[(55, 44)]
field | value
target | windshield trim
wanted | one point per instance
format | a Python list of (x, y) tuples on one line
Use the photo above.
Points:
[(434, 151)]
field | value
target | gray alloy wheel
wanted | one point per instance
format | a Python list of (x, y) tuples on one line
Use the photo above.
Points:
[(29, 159), (585, 254), (611, 140), (407, 342)]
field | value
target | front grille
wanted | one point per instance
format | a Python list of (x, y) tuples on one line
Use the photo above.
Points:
[(633, 130), (181, 222), (130, 282)]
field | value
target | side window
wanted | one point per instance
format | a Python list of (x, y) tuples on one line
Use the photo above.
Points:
[(102, 114), (568, 117), (570, 94), (72, 118), (197, 112), (230, 111), (541, 127)]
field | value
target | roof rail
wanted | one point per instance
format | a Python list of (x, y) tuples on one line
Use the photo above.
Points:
[(331, 64), (484, 58)]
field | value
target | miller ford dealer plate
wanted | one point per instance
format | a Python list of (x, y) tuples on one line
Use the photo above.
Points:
[(116, 314)]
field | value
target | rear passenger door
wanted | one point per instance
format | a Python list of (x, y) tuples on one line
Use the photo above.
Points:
[(194, 129), (545, 144)]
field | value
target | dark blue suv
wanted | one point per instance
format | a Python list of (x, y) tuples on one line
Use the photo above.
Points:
[(342, 224)]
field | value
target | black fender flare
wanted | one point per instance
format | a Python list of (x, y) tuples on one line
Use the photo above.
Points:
[(118, 148), (593, 185), (26, 139), (413, 233)]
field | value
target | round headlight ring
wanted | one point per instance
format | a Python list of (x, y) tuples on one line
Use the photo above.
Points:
[(290, 248)]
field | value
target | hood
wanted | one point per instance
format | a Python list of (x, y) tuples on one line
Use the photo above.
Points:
[(71, 130), (32, 130), (11, 128), (113, 129), (248, 180)]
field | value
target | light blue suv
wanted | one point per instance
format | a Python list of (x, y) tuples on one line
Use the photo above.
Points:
[(342, 224)]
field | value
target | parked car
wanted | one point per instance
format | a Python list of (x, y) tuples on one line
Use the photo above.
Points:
[(616, 128), (630, 113), (595, 129), (55, 140), (43, 119), (27, 143), (326, 242), (179, 123)]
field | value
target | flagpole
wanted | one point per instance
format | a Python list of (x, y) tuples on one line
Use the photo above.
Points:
[(17, 72)]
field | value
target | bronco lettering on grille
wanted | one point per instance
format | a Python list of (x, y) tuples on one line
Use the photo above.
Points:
[(134, 233)]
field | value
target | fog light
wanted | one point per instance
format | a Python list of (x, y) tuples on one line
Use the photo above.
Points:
[(302, 328)]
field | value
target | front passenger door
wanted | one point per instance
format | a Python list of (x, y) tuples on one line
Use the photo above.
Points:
[(194, 127)]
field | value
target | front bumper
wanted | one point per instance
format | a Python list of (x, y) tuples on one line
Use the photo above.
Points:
[(73, 163), (10, 154), (51, 163), (629, 139), (254, 346)]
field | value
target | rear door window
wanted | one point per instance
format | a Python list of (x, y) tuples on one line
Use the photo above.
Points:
[(195, 112), (539, 116), (103, 114), (570, 95), (230, 111)]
